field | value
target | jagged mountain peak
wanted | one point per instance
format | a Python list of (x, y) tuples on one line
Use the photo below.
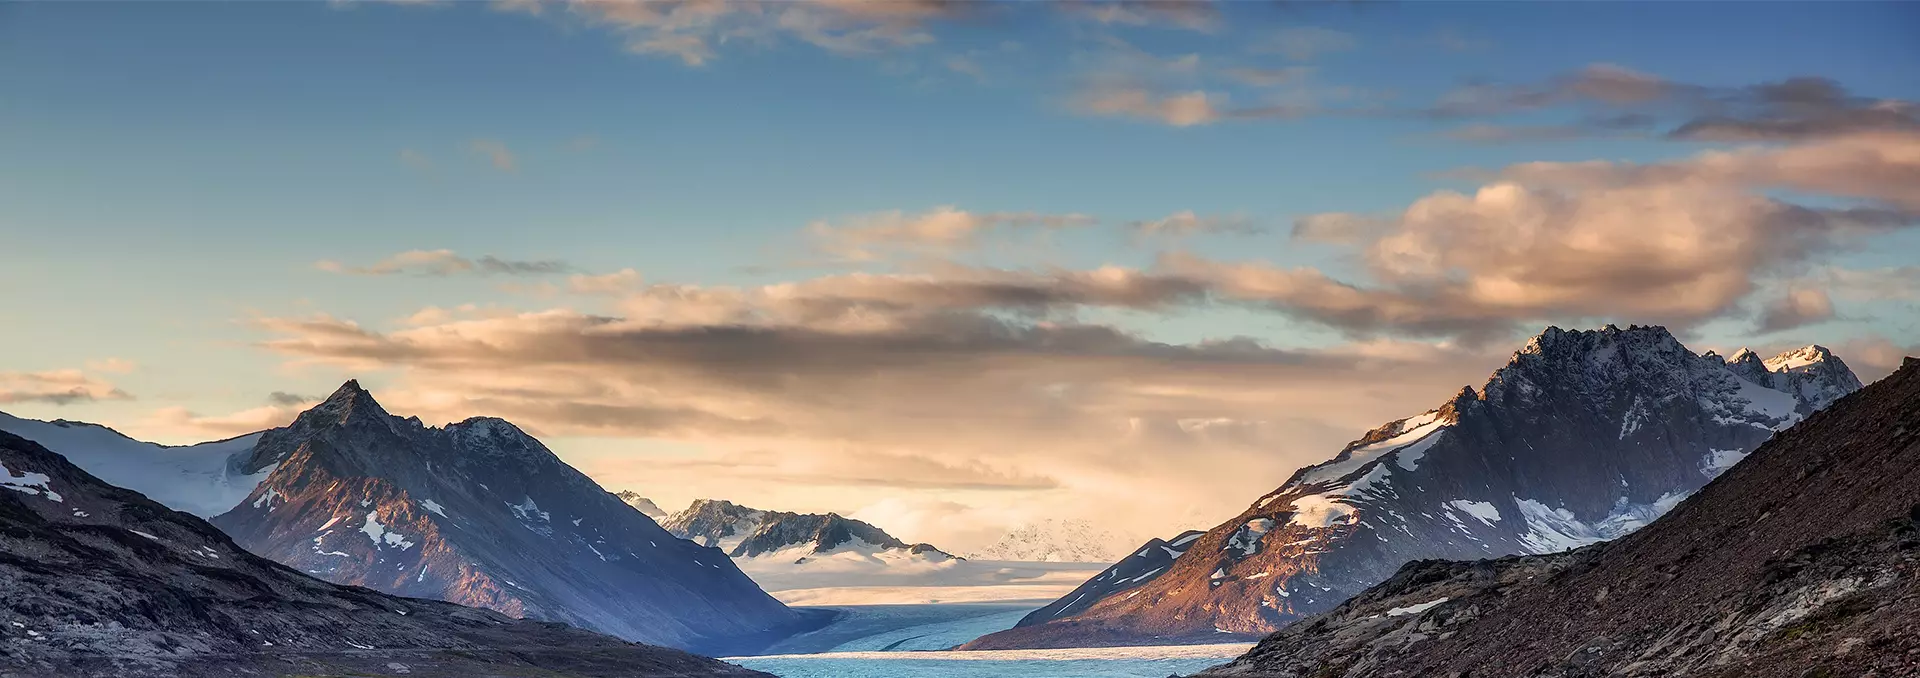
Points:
[(1585, 435), (744, 532), (348, 401), (1799, 358), (641, 504)]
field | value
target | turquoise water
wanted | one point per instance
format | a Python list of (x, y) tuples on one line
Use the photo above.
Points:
[(907, 665)]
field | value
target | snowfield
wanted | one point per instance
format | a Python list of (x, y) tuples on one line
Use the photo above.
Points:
[(194, 478)]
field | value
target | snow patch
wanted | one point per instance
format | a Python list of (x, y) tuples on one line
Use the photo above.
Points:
[(433, 507), (1414, 609), (28, 482), (1478, 509), (381, 536), (1316, 511)]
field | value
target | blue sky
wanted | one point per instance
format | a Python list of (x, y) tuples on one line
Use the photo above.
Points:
[(171, 173)]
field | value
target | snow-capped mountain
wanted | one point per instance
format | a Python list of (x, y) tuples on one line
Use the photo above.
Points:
[(481, 514), (201, 479), (96, 580), (1052, 541), (641, 504), (1799, 561), (1583, 436), (799, 538)]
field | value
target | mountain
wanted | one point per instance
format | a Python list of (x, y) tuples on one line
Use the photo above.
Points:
[(1147, 562), (1583, 436), (1803, 560), (641, 504), (481, 514), (1052, 541), (201, 479), (96, 580), (747, 533)]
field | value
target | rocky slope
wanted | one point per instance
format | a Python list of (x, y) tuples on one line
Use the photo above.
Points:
[(1803, 560), (97, 580), (1147, 562), (481, 514), (1583, 436), (743, 532)]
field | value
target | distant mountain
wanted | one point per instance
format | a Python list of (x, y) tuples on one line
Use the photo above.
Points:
[(1053, 541), (1583, 436), (96, 580), (481, 514), (743, 532), (641, 504), (1799, 561), (201, 479)]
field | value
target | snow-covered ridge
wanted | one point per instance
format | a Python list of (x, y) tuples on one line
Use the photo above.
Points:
[(1053, 541), (199, 479), (792, 538)]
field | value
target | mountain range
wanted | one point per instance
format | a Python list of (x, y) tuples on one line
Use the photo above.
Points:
[(1051, 540), (1801, 561), (748, 533), (1583, 436), (97, 580), (481, 514)]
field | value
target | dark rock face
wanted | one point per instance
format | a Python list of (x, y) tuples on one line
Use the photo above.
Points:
[(96, 580), (481, 514), (1147, 562), (1802, 560), (743, 532), (1583, 436)]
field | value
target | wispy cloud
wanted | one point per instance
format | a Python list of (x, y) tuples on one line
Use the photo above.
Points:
[(1306, 43), (444, 263), (496, 153), (56, 387)]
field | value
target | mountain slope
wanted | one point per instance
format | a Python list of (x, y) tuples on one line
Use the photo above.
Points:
[(743, 532), (1803, 560), (96, 580), (1583, 436), (481, 514), (200, 479)]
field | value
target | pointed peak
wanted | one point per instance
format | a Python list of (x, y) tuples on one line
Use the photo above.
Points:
[(346, 402), (1799, 358)]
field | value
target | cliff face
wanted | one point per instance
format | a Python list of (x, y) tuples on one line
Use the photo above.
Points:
[(96, 580), (481, 514), (1802, 560), (1583, 436)]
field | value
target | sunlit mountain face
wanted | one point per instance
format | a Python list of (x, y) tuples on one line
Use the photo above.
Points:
[(1163, 322)]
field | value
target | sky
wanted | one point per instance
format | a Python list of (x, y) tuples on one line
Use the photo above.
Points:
[(948, 267)]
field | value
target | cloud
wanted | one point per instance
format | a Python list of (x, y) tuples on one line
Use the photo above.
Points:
[(56, 387), (1795, 308), (1183, 109), (1679, 243), (181, 423), (496, 153), (871, 237), (692, 31), (112, 365), (967, 66), (415, 159), (445, 263), (1874, 356), (969, 380), (621, 281), (286, 399), (1193, 15), (1186, 223), (1305, 43), (1613, 100), (1269, 77)]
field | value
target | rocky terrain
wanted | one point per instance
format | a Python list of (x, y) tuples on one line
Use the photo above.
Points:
[(1583, 436), (743, 532), (100, 581), (481, 514), (1801, 561)]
